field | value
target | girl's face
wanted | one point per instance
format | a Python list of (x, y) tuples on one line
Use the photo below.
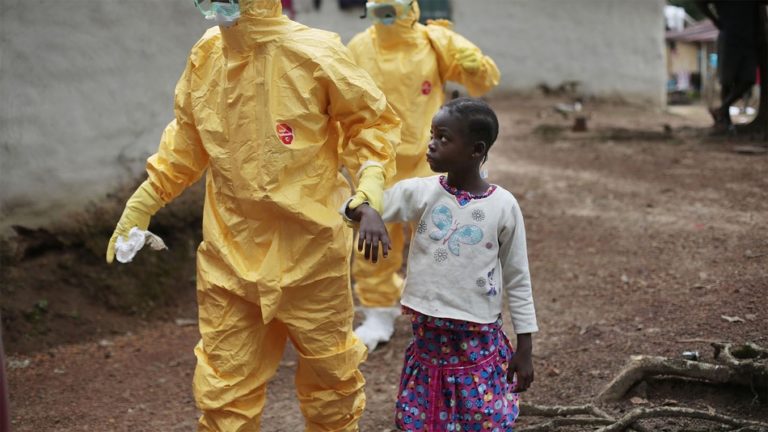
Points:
[(448, 149)]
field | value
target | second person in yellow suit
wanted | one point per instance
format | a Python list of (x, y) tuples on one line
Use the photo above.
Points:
[(269, 110), (410, 62)]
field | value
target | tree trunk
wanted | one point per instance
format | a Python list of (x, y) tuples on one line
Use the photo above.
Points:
[(759, 126)]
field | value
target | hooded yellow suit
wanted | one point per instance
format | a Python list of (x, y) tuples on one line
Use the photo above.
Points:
[(269, 110), (411, 62)]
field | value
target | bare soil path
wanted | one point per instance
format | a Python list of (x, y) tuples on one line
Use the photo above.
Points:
[(641, 238)]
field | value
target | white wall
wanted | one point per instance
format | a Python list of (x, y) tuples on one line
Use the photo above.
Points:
[(86, 86), (615, 48)]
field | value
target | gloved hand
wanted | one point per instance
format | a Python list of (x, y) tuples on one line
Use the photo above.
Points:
[(470, 59), (141, 206), (370, 189)]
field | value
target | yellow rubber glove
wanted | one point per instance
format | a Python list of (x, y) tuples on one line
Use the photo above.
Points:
[(141, 206), (470, 59), (370, 189)]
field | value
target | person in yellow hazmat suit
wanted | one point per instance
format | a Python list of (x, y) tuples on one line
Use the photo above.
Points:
[(269, 110), (410, 62)]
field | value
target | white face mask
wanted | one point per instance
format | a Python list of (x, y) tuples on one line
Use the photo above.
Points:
[(224, 19), (223, 14), (387, 12)]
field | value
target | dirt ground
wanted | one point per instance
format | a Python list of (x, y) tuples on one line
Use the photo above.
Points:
[(643, 234)]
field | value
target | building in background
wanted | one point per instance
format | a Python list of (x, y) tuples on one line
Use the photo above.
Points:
[(692, 68), (692, 62)]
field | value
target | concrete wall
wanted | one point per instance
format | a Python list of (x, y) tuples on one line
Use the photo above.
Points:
[(86, 85), (614, 48)]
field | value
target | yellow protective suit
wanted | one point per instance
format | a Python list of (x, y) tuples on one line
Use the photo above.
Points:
[(270, 110), (411, 62)]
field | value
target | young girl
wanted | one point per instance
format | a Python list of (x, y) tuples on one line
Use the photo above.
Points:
[(410, 63), (468, 247)]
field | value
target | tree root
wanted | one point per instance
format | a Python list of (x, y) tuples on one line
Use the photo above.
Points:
[(641, 368), (606, 423), (640, 413), (595, 417), (555, 411), (745, 365), (561, 422)]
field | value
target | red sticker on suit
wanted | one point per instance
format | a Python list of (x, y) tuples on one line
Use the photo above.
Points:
[(426, 88), (285, 133)]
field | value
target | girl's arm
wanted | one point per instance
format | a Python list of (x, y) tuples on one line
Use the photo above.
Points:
[(513, 254), (406, 201), (371, 232), (401, 204), (521, 365)]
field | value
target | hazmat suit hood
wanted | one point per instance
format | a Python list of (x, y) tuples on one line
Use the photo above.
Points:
[(402, 30), (260, 21), (250, 9)]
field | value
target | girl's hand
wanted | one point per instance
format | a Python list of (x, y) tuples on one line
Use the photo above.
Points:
[(522, 364), (372, 231)]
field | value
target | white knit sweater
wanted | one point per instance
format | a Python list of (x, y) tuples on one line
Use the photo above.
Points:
[(462, 257)]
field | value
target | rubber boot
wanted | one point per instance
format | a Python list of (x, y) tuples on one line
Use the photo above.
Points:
[(378, 325)]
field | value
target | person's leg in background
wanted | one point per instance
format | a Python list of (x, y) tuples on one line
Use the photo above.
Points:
[(744, 79), (737, 76)]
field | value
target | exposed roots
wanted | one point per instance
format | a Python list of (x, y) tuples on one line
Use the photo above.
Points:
[(593, 417), (643, 413), (745, 365), (588, 415)]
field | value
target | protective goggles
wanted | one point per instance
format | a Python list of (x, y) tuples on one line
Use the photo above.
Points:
[(387, 13), (218, 10)]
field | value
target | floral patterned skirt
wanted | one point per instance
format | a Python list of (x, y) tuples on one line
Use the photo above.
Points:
[(455, 378)]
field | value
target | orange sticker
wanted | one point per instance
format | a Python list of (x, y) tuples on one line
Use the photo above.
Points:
[(285, 133)]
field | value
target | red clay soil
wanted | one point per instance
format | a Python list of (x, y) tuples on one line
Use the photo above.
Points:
[(642, 238)]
